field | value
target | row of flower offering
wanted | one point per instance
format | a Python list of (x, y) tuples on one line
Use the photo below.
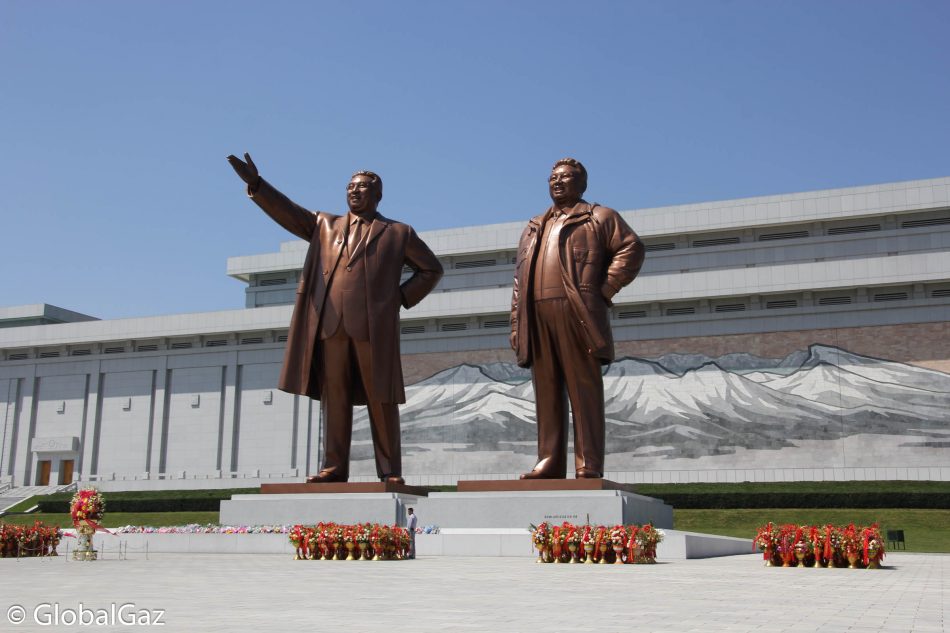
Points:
[(17, 541), (825, 546), (617, 545), (363, 541)]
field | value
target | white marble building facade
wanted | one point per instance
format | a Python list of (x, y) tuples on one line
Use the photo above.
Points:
[(190, 399)]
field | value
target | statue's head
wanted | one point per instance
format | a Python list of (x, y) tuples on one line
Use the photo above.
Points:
[(364, 192), (568, 181)]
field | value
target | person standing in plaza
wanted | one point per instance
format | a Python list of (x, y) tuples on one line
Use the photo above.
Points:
[(411, 523)]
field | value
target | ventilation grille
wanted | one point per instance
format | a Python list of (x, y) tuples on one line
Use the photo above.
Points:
[(18, 356), (910, 224), (665, 246), (413, 329), (730, 307), (114, 350), (80, 352), (406, 269), (254, 340), (891, 296), (631, 314), (478, 263), (784, 303), (496, 323), (182, 345), (147, 348), (453, 327), (834, 301), (942, 292), (789, 235), (858, 228), (678, 311), (273, 282), (282, 338), (216, 343), (716, 241), (49, 354)]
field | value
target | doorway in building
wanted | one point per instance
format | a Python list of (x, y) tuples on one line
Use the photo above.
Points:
[(66, 472), (43, 470)]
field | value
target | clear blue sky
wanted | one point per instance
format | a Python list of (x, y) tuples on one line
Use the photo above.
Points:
[(116, 117)]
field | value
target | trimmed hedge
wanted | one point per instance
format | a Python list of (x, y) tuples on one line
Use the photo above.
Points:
[(158, 501), (726, 500)]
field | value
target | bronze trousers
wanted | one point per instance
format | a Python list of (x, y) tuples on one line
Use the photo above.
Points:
[(347, 361), (561, 369)]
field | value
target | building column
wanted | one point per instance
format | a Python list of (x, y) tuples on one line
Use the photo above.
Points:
[(157, 422), (8, 416), (25, 425), (230, 416), (90, 424)]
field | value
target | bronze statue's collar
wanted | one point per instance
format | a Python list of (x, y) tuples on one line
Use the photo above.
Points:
[(351, 217), (581, 208)]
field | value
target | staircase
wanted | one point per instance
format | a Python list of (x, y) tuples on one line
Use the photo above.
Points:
[(13, 496)]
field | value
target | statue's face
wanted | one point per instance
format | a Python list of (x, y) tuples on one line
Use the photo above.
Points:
[(566, 185), (361, 195)]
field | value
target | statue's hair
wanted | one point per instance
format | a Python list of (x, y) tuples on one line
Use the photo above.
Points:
[(576, 164), (375, 179)]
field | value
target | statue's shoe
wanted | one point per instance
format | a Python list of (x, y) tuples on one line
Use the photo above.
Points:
[(325, 477), (587, 473), (540, 474), (394, 479)]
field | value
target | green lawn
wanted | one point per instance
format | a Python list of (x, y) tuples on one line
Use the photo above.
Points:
[(924, 530), (119, 519)]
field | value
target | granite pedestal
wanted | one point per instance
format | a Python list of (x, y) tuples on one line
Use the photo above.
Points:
[(310, 508), (518, 504)]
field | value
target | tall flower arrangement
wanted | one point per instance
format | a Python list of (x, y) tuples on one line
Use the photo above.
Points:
[(87, 507)]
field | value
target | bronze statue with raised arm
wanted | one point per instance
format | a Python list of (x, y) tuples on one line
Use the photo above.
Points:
[(572, 259), (343, 344)]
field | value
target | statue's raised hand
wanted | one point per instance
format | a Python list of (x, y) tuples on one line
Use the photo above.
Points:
[(247, 171)]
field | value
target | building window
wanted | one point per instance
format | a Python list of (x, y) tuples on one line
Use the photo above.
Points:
[(890, 296), (857, 228), (834, 301), (782, 303), (715, 241), (730, 307), (788, 235)]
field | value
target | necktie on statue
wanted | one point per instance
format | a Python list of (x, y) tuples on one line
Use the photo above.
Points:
[(356, 236)]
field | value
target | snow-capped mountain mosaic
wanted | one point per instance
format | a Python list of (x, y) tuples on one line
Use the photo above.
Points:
[(688, 411)]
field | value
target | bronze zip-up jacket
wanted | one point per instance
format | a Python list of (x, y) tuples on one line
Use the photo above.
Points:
[(599, 254)]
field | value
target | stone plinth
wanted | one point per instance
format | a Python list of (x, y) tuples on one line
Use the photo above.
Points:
[(521, 508), (531, 485), (310, 508), (346, 487)]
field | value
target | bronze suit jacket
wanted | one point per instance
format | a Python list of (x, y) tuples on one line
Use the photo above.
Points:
[(599, 254), (388, 246)]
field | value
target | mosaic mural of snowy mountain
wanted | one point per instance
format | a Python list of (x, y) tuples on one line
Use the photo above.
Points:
[(678, 407)]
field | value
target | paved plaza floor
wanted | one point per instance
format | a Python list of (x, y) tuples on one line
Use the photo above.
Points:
[(269, 593)]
